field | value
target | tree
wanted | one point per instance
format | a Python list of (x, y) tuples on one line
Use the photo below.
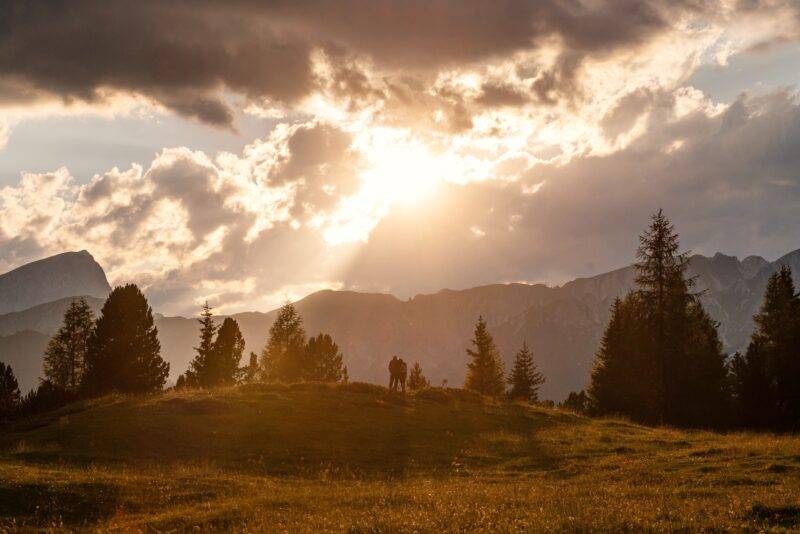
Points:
[(65, 356), (283, 357), (46, 397), (577, 402), (323, 361), (485, 372), (200, 372), (226, 354), (766, 389), (9, 391), (249, 373), (416, 380), (660, 360), (525, 379), (124, 353)]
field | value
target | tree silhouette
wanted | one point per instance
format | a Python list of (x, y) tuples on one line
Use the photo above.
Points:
[(9, 391), (226, 353), (283, 357), (200, 372), (485, 370), (765, 383), (577, 402), (249, 373), (525, 379), (416, 380), (323, 361), (660, 360), (65, 356), (124, 351)]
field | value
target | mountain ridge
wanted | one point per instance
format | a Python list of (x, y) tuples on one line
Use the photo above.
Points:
[(563, 324)]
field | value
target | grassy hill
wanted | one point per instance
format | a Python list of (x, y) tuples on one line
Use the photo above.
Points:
[(314, 457)]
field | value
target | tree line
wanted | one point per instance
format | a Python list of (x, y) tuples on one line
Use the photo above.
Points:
[(660, 360)]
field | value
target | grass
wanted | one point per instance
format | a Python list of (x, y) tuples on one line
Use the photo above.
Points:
[(314, 457)]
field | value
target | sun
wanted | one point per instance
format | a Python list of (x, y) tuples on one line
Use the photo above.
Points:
[(400, 170)]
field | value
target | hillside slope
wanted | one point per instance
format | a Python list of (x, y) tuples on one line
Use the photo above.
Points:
[(312, 457)]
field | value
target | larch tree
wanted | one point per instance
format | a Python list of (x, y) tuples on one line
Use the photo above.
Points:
[(525, 378), (283, 357), (660, 360), (417, 380), (65, 355), (124, 353), (485, 373)]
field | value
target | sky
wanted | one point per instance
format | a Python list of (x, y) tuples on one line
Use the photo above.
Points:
[(250, 152)]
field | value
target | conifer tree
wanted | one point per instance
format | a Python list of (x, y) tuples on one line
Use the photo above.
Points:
[(417, 380), (124, 353), (525, 379), (226, 353), (283, 357), (9, 391), (660, 360), (249, 373), (323, 361), (765, 380), (485, 372), (65, 355), (200, 371), (577, 402)]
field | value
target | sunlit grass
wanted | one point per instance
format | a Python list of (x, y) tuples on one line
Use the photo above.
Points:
[(315, 457)]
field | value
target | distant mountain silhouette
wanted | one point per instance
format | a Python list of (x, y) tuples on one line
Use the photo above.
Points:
[(561, 324), (53, 278)]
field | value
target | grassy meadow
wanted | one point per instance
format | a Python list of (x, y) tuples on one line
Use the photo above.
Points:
[(311, 457)]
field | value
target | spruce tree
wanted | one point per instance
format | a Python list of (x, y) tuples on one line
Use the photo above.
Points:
[(65, 355), (323, 361), (249, 373), (525, 379), (124, 353), (485, 372), (200, 373), (9, 391), (417, 380), (283, 357)]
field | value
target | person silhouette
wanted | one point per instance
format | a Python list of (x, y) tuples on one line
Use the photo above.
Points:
[(393, 382), (402, 374)]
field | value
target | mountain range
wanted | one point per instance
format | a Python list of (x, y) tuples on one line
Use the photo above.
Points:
[(562, 324)]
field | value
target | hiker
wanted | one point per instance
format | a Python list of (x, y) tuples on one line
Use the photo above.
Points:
[(393, 382), (402, 373)]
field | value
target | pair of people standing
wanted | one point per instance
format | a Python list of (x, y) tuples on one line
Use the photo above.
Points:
[(398, 371)]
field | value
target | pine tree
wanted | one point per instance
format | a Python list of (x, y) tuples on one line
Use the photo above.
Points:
[(283, 357), (417, 380), (65, 356), (577, 402), (124, 353), (323, 361), (9, 391), (765, 381), (485, 372), (525, 378)]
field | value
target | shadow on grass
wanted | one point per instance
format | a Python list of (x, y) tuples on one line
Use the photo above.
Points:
[(68, 504), (778, 516)]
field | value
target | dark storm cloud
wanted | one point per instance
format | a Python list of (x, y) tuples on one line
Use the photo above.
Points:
[(733, 185), (183, 53)]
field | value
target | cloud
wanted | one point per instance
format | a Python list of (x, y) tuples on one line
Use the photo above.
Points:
[(728, 179), (186, 54)]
